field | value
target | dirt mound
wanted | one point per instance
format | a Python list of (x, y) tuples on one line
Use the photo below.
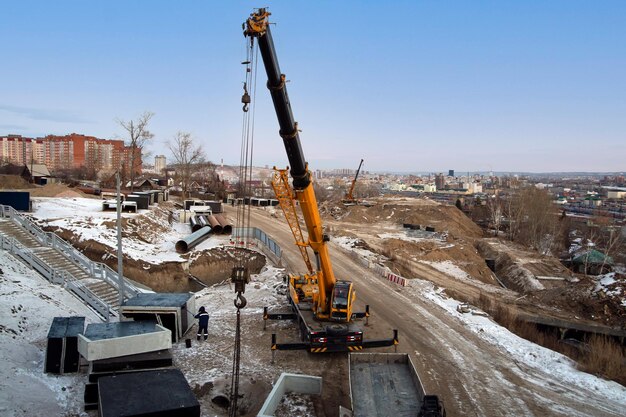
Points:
[(584, 299), (415, 211), (57, 190), (402, 254), (14, 182), (443, 218)]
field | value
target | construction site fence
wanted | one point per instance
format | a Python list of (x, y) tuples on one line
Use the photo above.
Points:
[(253, 237), (56, 276), (381, 270), (95, 270)]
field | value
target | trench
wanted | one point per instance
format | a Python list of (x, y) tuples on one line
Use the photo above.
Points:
[(208, 267), (202, 268)]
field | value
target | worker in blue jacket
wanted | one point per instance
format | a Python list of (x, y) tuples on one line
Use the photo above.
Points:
[(203, 323)]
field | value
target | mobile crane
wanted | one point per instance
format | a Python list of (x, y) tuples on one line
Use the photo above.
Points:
[(321, 304), (349, 199)]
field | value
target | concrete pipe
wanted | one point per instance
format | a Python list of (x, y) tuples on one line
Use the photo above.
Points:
[(227, 228), (184, 245), (215, 225)]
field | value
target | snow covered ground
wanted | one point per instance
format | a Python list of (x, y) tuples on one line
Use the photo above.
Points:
[(521, 350), (86, 219), (29, 304)]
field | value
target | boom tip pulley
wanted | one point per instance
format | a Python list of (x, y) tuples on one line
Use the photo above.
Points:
[(256, 25)]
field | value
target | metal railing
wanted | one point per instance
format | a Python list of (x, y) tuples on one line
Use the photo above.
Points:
[(241, 237), (95, 270), (56, 276)]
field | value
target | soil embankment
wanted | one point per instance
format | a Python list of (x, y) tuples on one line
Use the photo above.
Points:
[(209, 266)]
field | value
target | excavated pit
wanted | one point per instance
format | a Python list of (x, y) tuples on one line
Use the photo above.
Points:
[(202, 268)]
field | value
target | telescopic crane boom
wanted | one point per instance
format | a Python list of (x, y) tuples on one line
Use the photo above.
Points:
[(257, 26), (349, 198), (321, 304)]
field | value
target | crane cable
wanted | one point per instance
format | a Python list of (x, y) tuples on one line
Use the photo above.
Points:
[(241, 235)]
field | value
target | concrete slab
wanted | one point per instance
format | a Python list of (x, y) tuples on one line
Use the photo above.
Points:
[(110, 340), (174, 311), (147, 394), (158, 300), (62, 354)]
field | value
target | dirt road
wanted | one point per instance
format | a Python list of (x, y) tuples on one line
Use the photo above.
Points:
[(473, 377)]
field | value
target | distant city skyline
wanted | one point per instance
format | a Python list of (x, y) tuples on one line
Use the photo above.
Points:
[(531, 87)]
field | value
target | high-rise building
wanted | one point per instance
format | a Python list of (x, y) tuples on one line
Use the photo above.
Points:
[(20, 150), (159, 163), (450, 173), (440, 182)]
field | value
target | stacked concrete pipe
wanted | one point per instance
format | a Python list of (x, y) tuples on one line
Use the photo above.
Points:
[(215, 225), (227, 228)]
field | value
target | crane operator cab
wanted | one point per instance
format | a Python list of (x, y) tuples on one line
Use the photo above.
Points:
[(341, 302)]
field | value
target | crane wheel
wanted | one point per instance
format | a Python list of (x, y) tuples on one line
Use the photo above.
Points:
[(337, 329)]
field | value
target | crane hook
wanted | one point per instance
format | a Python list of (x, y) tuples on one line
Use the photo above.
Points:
[(240, 301), (245, 98)]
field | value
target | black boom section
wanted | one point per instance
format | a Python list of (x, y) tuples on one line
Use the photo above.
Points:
[(288, 126)]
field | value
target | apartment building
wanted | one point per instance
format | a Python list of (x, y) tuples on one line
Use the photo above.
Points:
[(160, 163), (68, 152), (21, 151)]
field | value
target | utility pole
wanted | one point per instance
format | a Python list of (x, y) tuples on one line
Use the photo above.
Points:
[(120, 268), (32, 178)]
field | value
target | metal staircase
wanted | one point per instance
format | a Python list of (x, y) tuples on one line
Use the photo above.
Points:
[(60, 263)]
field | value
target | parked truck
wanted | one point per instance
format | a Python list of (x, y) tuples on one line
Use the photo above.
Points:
[(321, 304), (387, 384)]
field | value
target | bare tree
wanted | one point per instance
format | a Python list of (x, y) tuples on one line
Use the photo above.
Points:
[(606, 235), (138, 136), (494, 205), (534, 220), (213, 182), (515, 208), (187, 157)]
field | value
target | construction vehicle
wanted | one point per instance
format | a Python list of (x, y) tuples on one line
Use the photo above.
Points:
[(321, 304), (370, 376), (349, 199)]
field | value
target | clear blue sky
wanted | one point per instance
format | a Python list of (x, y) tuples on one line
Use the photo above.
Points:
[(407, 85)]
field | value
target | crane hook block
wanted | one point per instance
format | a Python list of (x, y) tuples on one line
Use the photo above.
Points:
[(240, 276), (245, 98)]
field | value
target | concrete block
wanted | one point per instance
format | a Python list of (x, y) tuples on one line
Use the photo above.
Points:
[(301, 384), (111, 340)]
